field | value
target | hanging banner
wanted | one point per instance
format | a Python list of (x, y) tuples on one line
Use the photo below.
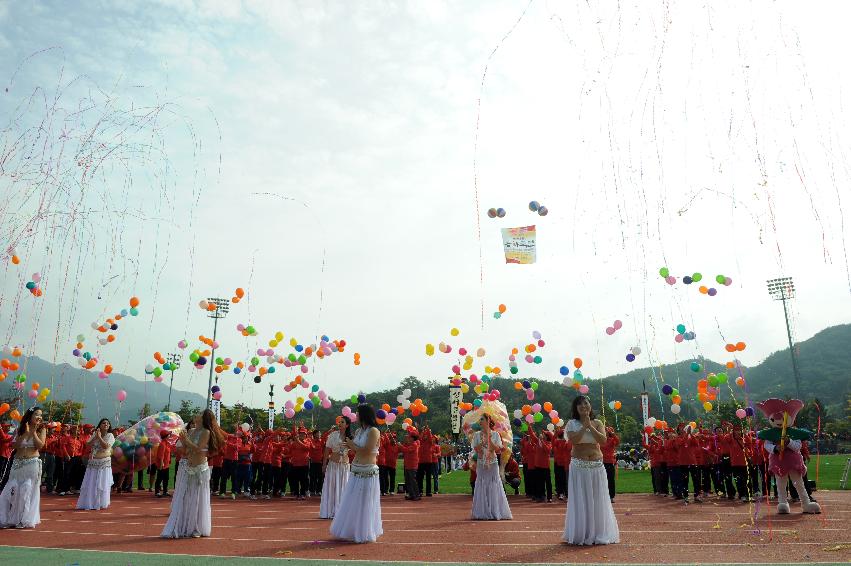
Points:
[(216, 407), (271, 417), (519, 244), (455, 397), (645, 413)]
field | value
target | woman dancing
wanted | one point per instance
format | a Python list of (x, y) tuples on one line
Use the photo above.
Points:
[(97, 483), (590, 518), (335, 468), (489, 500), (358, 517), (20, 499), (190, 505)]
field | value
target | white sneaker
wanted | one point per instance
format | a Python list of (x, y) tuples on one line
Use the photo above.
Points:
[(233, 496), (252, 497), (267, 497)]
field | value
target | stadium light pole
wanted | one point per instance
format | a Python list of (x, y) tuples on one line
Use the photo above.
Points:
[(174, 362), (221, 311), (783, 289)]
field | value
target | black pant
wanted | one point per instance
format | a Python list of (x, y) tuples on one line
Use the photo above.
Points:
[(283, 476), (528, 483), (275, 479), (228, 470), (610, 477), (391, 478), (655, 481), (561, 479), (756, 474), (317, 478), (215, 478), (5, 468), (424, 472), (161, 481), (258, 471), (382, 479), (705, 478), (727, 477), (412, 484), (543, 483), (63, 474), (675, 473), (740, 473), (298, 480)]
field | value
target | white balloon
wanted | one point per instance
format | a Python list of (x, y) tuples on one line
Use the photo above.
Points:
[(650, 422), (561, 422), (406, 392), (149, 368), (103, 341), (675, 409), (95, 325), (245, 427), (518, 414), (405, 426), (406, 404), (636, 350)]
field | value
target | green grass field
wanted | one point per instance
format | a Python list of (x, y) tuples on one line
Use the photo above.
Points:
[(633, 481)]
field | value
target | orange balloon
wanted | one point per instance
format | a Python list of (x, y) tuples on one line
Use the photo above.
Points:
[(400, 410), (730, 347), (110, 338), (4, 363), (16, 260), (16, 352), (740, 346), (660, 425), (15, 415), (4, 408), (211, 306), (240, 365), (618, 405), (134, 302), (515, 351), (526, 409), (502, 309), (676, 399), (240, 292), (518, 386), (548, 406), (107, 369), (497, 371), (703, 289), (14, 366), (576, 385), (731, 365), (577, 363), (118, 317)]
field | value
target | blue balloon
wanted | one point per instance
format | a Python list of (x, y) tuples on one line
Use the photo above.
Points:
[(299, 347), (124, 312), (630, 357), (308, 405), (563, 370), (325, 338), (381, 413), (687, 280), (517, 422), (361, 398), (526, 384), (271, 369), (237, 370), (667, 389), (394, 411)]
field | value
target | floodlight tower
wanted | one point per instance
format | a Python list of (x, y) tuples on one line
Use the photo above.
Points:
[(783, 289), (221, 311)]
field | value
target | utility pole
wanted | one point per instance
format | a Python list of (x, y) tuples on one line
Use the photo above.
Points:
[(221, 311), (783, 289), (174, 363)]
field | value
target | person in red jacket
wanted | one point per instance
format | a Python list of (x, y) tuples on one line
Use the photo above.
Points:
[(609, 460), (512, 475), (65, 446), (391, 458), (300, 447), (216, 462), (243, 467), (230, 457), (381, 462), (317, 453), (542, 445), (652, 448), (435, 463), (527, 454), (690, 451), (276, 461), (736, 442), (6, 454), (756, 464), (162, 461), (286, 467), (560, 463), (722, 448), (672, 460), (424, 472), (410, 449)]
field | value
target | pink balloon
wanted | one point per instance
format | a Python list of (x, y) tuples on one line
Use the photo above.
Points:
[(121, 395), (390, 418), (618, 324), (474, 378), (727, 281), (553, 414), (228, 361), (158, 379), (678, 338), (536, 408), (217, 395), (741, 413), (512, 358), (610, 330), (670, 279), (461, 351), (289, 413), (530, 394), (583, 389), (240, 327), (530, 418), (261, 352), (456, 370), (448, 348), (32, 394), (326, 404), (541, 343), (529, 359), (303, 369)]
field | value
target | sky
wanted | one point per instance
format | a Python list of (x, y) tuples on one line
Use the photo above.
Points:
[(337, 161)]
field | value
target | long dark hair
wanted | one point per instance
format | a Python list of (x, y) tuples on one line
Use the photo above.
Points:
[(366, 415), (25, 420), (574, 412), (104, 420), (217, 435), (348, 426)]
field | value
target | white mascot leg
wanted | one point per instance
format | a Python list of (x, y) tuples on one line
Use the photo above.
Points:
[(807, 504), (782, 496)]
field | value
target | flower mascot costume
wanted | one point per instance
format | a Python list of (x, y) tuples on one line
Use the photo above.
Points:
[(783, 443)]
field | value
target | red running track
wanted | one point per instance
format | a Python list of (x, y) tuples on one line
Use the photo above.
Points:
[(653, 530)]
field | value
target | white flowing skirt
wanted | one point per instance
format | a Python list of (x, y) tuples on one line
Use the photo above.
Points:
[(336, 478), (21, 498), (489, 500), (97, 483), (590, 518), (358, 516), (190, 503)]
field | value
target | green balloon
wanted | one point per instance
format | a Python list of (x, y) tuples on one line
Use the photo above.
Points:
[(664, 272), (250, 329), (513, 370), (158, 371), (354, 398), (675, 391), (534, 386), (497, 315), (722, 377), (484, 387), (302, 360), (713, 380), (255, 361), (537, 359), (720, 279), (681, 328), (695, 367), (523, 427), (696, 277), (219, 361), (538, 417), (291, 357), (193, 357)]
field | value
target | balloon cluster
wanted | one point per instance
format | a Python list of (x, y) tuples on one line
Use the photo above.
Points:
[(674, 396), (482, 387), (617, 325), (615, 405), (199, 358), (695, 278), (315, 398), (530, 414), (651, 423), (7, 364), (530, 349), (32, 286), (535, 206), (387, 414), (13, 253), (246, 330), (357, 359), (744, 413), (528, 386), (224, 364), (34, 393), (737, 347), (578, 377), (299, 380), (135, 447), (210, 306), (682, 334), (707, 389), (500, 310), (406, 423), (353, 415), (216, 392), (496, 212), (633, 353), (238, 294), (86, 360)]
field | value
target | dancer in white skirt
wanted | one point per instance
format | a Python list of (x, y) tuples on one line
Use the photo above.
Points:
[(590, 518), (97, 483), (489, 500), (358, 517), (190, 505), (335, 468), (20, 499)]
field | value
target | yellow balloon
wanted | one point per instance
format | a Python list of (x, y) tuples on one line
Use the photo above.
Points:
[(293, 342), (279, 336), (143, 440), (454, 332), (429, 349), (708, 406), (272, 343), (465, 388)]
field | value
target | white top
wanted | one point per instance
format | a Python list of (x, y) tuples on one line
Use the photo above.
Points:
[(28, 442), (575, 426), (360, 438), (488, 457), (109, 439), (335, 443)]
